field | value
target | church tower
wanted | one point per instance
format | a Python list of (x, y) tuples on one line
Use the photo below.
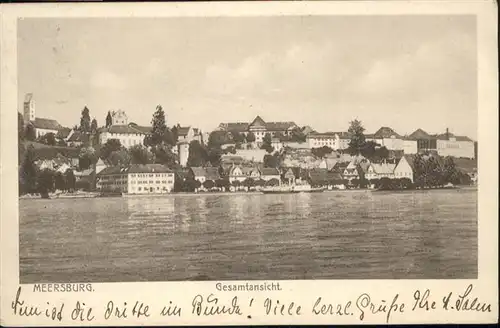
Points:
[(29, 108)]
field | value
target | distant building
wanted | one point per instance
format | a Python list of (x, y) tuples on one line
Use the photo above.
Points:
[(269, 173), (333, 140), (119, 117), (42, 126), (128, 135), (404, 168), (260, 128), (136, 179), (445, 144)]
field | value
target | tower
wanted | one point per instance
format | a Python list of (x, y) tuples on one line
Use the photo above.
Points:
[(183, 150), (29, 108)]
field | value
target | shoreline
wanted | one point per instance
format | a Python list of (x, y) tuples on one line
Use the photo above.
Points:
[(228, 193)]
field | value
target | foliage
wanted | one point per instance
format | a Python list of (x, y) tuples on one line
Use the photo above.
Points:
[(236, 183), (374, 152), (30, 133), (45, 182), (62, 143), (85, 120), (273, 160), (140, 155), (70, 179), (208, 184), (222, 183), (93, 126), (110, 146), (163, 154), (297, 136), (198, 155), (266, 143), (238, 137), (20, 126), (59, 181), (249, 183), (159, 129), (357, 142), (28, 172), (48, 139), (273, 182), (119, 157), (322, 151), (250, 137), (191, 184), (86, 158), (109, 120)]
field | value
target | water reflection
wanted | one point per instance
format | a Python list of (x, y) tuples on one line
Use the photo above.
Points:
[(339, 235)]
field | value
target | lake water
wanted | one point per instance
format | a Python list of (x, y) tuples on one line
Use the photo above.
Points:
[(330, 235)]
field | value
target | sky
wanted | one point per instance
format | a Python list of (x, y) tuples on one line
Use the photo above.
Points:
[(405, 72)]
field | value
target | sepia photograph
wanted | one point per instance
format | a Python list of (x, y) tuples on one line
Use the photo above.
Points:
[(305, 147)]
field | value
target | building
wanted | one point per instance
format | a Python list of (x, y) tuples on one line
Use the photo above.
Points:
[(235, 173), (119, 117), (189, 134), (77, 138), (260, 128), (404, 168), (128, 135), (269, 173), (333, 140), (445, 144), (183, 152), (198, 174), (136, 179)]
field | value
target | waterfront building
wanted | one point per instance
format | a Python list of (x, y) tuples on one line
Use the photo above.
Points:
[(404, 168), (198, 174), (136, 179), (445, 144), (380, 170), (268, 173), (259, 128), (235, 173)]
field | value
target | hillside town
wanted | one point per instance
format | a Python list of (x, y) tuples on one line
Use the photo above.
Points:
[(123, 157)]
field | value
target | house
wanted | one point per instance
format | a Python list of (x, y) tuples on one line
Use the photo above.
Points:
[(41, 126), (381, 170), (235, 173), (198, 174), (354, 170), (119, 117), (137, 179), (405, 168), (333, 140), (77, 139), (63, 133), (445, 144), (289, 176), (268, 173), (323, 177), (260, 128), (252, 172), (101, 165)]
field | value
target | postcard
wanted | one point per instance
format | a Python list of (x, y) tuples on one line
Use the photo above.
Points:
[(249, 163)]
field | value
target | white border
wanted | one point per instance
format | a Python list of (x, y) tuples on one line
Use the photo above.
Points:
[(300, 291)]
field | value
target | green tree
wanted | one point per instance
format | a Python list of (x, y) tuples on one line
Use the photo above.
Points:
[(250, 137), (198, 155), (159, 126), (28, 174), (70, 179), (85, 120), (140, 155), (357, 143), (20, 126), (110, 146), (109, 120), (30, 132), (93, 126)]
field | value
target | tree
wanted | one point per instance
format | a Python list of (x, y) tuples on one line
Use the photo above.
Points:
[(162, 154), (197, 154), (238, 137), (222, 183), (61, 143), (119, 157), (60, 181), (45, 182), (273, 182), (28, 174), (87, 158), (450, 172), (208, 184), (70, 180), (214, 156), (355, 183), (249, 183), (385, 184), (93, 126), (48, 139), (109, 120), (250, 137), (20, 126), (85, 120), (267, 143), (140, 155), (357, 142), (298, 136), (321, 152), (272, 160), (406, 183), (236, 184), (110, 146), (159, 126), (30, 133)]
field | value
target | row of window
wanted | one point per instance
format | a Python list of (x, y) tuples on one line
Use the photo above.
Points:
[(150, 175), (153, 182)]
